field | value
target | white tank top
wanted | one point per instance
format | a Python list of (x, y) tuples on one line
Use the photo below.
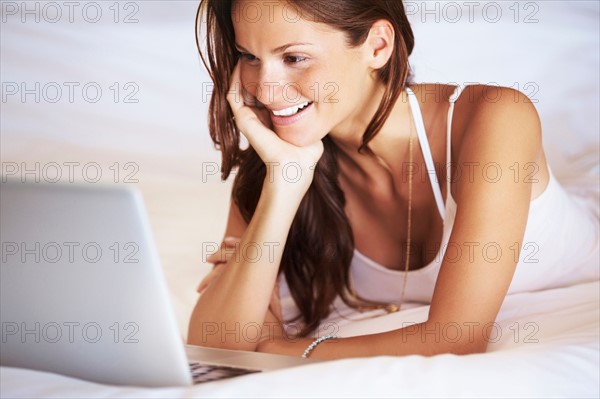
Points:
[(559, 247)]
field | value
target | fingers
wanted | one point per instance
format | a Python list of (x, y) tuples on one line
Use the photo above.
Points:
[(210, 277), (219, 259), (231, 241), (235, 93), (225, 251), (237, 96), (251, 117)]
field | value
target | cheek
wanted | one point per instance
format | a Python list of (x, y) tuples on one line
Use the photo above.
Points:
[(332, 87), (328, 88), (330, 93), (296, 90), (342, 96), (249, 80)]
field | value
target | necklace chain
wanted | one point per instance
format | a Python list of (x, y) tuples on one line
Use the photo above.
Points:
[(391, 308), (409, 220)]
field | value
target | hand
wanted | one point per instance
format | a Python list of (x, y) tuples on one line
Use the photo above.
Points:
[(219, 260), (254, 122)]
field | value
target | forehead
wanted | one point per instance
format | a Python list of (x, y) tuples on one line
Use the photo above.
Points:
[(260, 22)]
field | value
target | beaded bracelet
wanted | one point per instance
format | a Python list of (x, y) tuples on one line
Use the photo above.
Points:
[(317, 342)]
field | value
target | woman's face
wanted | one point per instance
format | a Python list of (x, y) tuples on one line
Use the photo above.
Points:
[(303, 72)]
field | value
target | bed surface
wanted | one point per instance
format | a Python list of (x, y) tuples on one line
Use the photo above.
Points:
[(547, 345)]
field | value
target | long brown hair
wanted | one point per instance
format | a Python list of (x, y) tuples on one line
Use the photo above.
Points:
[(319, 249)]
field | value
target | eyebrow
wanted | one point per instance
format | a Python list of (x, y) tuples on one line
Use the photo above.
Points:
[(279, 49)]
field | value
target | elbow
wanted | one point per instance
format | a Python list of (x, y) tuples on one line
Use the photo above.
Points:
[(461, 348), (470, 348), (219, 335), (457, 342)]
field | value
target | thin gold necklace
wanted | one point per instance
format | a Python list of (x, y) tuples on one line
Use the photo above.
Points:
[(409, 219), (392, 307)]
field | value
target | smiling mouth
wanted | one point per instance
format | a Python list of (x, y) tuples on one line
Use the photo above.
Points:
[(293, 110), (291, 115)]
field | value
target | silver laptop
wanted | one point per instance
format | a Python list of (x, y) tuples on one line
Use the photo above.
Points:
[(83, 294)]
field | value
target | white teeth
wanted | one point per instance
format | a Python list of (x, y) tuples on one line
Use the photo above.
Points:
[(291, 110)]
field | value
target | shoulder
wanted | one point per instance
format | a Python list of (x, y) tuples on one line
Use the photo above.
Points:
[(485, 116), (495, 131), (432, 93), (496, 117), (478, 100), (487, 100)]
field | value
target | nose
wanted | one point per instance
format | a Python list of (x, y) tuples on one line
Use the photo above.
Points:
[(270, 83)]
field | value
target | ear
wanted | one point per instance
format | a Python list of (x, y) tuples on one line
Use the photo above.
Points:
[(380, 43)]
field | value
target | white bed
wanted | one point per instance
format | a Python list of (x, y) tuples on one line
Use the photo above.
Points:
[(547, 347), (163, 139)]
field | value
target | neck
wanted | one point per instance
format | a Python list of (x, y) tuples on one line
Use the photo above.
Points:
[(389, 145)]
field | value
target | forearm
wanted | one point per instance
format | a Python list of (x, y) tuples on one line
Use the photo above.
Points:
[(240, 296), (427, 338)]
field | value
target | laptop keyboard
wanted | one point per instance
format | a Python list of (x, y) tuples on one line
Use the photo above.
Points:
[(209, 372)]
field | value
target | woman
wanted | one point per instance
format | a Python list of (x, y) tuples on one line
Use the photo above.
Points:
[(361, 187)]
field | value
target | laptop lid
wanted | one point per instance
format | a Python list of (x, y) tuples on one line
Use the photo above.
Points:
[(82, 291)]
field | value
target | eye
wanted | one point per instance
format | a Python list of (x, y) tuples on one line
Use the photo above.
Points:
[(246, 56), (294, 59)]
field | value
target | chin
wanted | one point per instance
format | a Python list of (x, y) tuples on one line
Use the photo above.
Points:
[(297, 138)]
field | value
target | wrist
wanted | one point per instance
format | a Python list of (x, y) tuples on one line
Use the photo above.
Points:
[(288, 190), (310, 348), (293, 177), (278, 205)]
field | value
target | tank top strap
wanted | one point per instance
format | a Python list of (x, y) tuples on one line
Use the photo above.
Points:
[(455, 95), (425, 149)]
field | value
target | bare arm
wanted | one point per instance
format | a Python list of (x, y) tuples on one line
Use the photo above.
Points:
[(236, 302), (490, 220)]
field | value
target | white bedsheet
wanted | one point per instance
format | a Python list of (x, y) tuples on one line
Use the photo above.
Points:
[(556, 356), (549, 51)]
